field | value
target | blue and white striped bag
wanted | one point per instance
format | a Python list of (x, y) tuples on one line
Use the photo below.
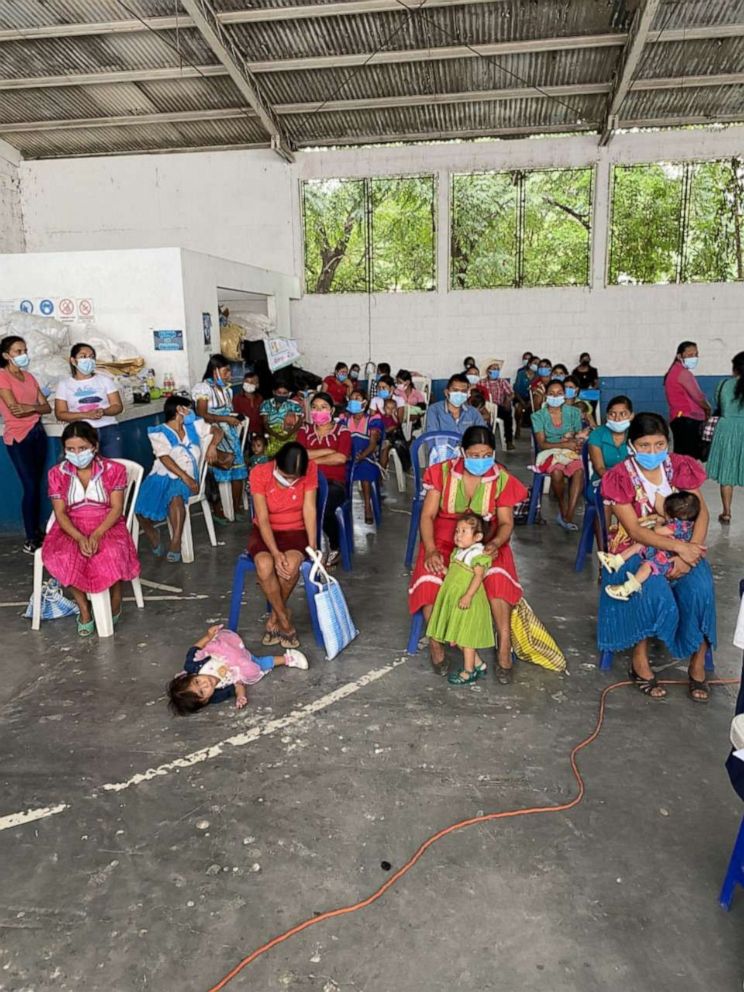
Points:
[(54, 603), (334, 619)]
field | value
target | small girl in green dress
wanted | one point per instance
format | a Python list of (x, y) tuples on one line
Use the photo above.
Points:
[(461, 614)]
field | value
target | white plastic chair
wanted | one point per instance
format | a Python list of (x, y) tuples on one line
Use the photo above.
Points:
[(423, 384), (394, 460), (187, 538), (100, 601), (226, 487), (497, 425)]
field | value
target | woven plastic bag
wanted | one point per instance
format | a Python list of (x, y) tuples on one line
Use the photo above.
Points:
[(334, 619), (54, 603), (531, 640)]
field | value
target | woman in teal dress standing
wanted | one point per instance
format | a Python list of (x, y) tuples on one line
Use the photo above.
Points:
[(726, 458)]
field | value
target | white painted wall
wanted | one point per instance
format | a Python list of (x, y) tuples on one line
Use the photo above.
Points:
[(11, 216), (234, 204)]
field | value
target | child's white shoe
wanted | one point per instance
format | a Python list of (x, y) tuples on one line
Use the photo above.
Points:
[(610, 562), (295, 659), (626, 590)]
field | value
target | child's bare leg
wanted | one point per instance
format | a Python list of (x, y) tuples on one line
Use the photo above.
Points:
[(634, 549), (436, 648), (176, 518), (115, 593), (149, 529), (468, 656), (83, 604), (367, 496), (644, 572)]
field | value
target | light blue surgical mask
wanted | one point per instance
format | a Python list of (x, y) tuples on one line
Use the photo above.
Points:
[(342, 376), (533, 367), (545, 373), (650, 459), (560, 378), (457, 399), (494, 373), (354, 374), (473, 379), (618, 426), (555, 400), (384, 394), (691, 363), (571, 392), (478, 466), (80, 459), (190, 417), (86, 365), (354, 406), (21, 361)]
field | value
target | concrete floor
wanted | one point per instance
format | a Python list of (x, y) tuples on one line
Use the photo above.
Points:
[(168, 883)]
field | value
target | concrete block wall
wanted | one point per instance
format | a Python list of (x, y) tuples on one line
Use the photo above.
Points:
[(11, 215)]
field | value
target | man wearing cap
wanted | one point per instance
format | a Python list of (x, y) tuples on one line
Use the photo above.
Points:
[(499, 393)]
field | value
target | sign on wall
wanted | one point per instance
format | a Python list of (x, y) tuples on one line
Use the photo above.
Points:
[(207, 329), (281, 352), (65, 308), (168, 340)]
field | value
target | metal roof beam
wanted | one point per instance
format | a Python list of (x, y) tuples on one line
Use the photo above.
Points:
[(218, 39), (629, 62)]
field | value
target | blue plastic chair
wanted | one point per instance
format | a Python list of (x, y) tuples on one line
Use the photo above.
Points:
[(536, 488), (433, 439), (735, 871), (593, 512), (245, 564)]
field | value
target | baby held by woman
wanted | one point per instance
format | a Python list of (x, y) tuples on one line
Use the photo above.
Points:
[(218, 667)]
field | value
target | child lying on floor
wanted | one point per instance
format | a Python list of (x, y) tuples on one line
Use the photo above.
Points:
[(681, 510), (218, 667)]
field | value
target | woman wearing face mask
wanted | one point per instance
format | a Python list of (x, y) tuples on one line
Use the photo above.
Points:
[(726, 458), (354, 371), (608, 444), (571, 388), (89, 547), (585, 372), (386, 391), (90, 396), (688, 405), (214, 398), (680, 613), (329, 448), (522, 381), (473, 483), (284, 493), (559, 439), (22, 405), (498, 392), (538, 384), (366, 431), (281, 416), (174, 477), (338, 386), (247, 403)]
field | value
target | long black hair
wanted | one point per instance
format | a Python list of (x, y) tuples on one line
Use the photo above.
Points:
[(644, 424), (5, 345), (217, 361), (738, 365), (292, 459), (478, 435)]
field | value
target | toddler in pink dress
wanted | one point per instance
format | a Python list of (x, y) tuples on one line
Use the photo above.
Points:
[(218, 667)]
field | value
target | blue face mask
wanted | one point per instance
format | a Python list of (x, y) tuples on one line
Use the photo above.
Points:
[(555, 400), (342, 376), (571, 392), (80, 459), (384, 394), (545, 373), (478, 466), (560, 378), (354, 406), (86, 365), (533, 368), (354, 374), (457, 399), (690, 363), (494, 373), (190, 417), (21, 361), (618, 426), (650, 460)]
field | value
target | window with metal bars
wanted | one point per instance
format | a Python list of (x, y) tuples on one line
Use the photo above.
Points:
[(521, 228), (677, 222), (369, 235)]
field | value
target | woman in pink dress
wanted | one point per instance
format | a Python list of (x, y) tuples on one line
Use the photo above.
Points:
[(89, 547)]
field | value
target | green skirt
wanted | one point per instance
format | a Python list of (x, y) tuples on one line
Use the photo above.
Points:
[(726, 459), (471, 628)]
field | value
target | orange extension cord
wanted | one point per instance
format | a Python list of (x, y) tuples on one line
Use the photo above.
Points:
[(460, 825)]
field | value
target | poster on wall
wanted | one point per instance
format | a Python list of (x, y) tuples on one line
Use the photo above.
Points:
[(168, 340), (65, 308), (281, 352), (207, 329)]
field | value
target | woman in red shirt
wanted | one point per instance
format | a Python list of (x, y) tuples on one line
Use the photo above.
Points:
[(329, 447), (338, 386), (248, 402), (22, 404), (284, 524)]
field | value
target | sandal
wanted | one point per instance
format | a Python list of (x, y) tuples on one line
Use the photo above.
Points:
[(288, 641), (646, 686), (481, 670), (695, 686), (724, 518), (270, 638), (504, 676), (462, 678), (173, 556), (116, 619), (86, 629), (157, 550)]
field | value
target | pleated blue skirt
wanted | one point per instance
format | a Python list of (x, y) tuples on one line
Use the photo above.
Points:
[(681, 614), (156, 493)]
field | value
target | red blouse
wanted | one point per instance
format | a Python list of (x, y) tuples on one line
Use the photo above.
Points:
[(335, 389), (284, 503), (497, 488), (338, 439)]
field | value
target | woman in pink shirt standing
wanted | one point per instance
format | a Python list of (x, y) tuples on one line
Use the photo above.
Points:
[(688, 406), (22, 404)]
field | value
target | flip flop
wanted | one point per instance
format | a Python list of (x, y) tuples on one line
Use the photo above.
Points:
[(86, 629), (174, 556), (289, 641), (270, 638), (724, 518)]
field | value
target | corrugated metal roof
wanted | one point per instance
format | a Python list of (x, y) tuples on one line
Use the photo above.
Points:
[(355, 33)]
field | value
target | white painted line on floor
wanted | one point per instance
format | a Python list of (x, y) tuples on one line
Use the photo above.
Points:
[(160, 585), (153, 599), (14, 604), (292, 719)]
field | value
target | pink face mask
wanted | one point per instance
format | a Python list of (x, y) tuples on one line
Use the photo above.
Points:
[(320, 417)]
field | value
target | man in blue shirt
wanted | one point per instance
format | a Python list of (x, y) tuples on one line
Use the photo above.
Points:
[(454, 413)]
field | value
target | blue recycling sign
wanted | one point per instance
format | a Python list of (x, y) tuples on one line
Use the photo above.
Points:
[(46, 307), (26, 306)]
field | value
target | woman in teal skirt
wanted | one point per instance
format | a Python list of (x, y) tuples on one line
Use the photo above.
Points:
[(213, 397), (726, 458), (462, 615)]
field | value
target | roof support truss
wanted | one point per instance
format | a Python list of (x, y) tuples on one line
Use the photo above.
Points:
[(631, 57)]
